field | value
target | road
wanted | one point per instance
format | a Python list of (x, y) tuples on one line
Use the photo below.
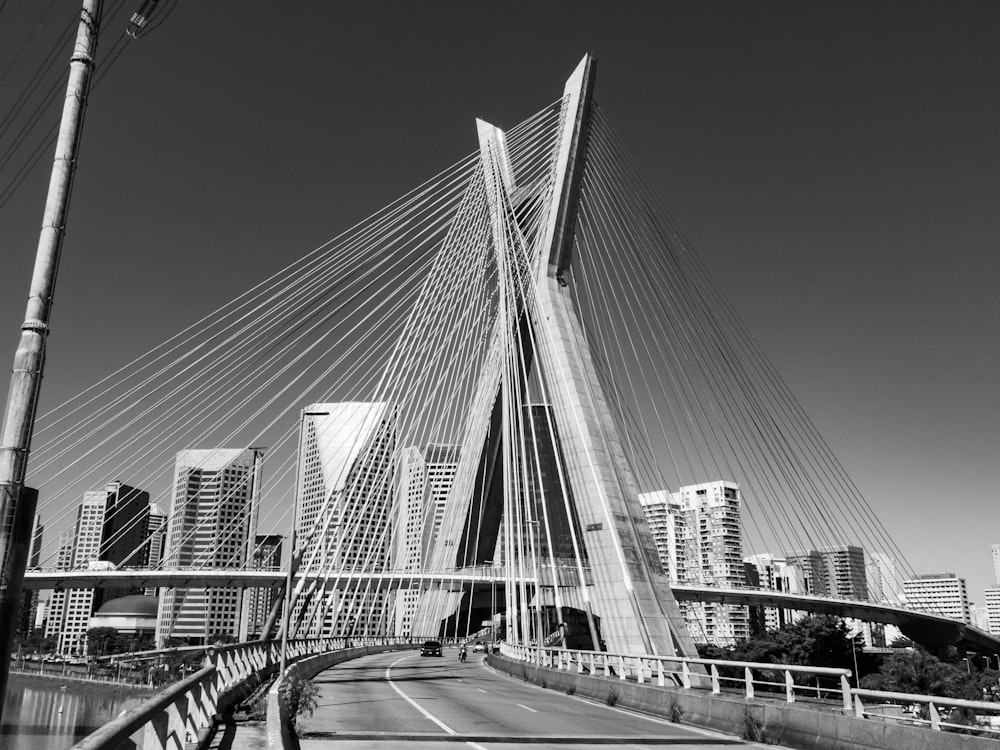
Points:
[(429, 703)]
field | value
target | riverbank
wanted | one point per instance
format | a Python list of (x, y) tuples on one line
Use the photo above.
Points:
[(106, 687)]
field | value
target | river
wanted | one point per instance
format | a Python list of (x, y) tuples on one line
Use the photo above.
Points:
[(39, 715)]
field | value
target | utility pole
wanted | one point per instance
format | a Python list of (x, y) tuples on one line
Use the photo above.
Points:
[(17, 502)]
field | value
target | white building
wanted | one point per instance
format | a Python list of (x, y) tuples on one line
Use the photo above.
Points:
[(110, 529), (777, 574), (212, 524), (938, 593), (885, 584), (347, 468), (992, 598), (995, 552), (698, 535)]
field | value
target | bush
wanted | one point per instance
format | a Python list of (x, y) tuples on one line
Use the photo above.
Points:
[(612, 698), (571, 690), (298, 697), (753, 728), (674, 710)]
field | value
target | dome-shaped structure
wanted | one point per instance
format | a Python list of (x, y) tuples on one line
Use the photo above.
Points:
[(129, 606)]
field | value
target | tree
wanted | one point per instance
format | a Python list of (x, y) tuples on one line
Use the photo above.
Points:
[(100, 641), (919, 672)]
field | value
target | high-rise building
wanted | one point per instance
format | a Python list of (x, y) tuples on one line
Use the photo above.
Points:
[(212, 524), (666, 524), (995, 552), (885, 584), (156, 534), (441, 463), (56, 609), (833, 571), (979, 617), (698, 535), (776, 574), (109, 532), (939, 593), (408, 532), (845, 571), (992, 599), (347, 466), (257, 602)]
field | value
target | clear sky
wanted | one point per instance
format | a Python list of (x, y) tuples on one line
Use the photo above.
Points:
[(836, 164)]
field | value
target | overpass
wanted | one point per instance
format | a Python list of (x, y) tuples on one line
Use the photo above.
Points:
[(929, 629)]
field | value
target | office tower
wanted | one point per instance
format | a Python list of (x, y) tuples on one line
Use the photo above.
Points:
[(56, 610), (110, 532), (408, 533), (979, 617), (885, 584), (940, 594), (441, 463), (257, 602), (776, 574), (698, 536), (212, 524), (995, 552), (347, 466), (992, 599)]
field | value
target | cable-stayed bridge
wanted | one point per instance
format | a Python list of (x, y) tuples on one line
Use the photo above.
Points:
[(497, 370)]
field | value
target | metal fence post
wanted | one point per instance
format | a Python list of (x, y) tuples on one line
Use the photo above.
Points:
[(748, 676)]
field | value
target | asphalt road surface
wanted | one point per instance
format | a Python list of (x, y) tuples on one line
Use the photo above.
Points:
[(401, 699)]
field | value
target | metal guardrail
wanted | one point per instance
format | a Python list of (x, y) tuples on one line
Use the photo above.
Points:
[(935, 718), (185, 710), (678, 670), (935, 712)]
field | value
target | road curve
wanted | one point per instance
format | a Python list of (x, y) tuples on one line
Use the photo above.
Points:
[(401, 699)]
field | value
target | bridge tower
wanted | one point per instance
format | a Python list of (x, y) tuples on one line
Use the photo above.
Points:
[(540, 336)]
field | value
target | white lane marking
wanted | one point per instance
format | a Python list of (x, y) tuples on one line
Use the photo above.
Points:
[(527, 708), (421, 709), (482, 691)]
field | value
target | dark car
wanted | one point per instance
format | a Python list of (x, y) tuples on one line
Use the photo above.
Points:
[(431, 648)]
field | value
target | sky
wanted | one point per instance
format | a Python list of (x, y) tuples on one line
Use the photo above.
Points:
[(836, 165)]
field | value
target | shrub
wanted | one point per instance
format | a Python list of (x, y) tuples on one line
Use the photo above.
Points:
[(674, 710), (299, 698), (612, 698), (571, 690), (753, 728)]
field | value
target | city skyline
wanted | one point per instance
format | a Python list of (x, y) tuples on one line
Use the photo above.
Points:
[(875, 205)]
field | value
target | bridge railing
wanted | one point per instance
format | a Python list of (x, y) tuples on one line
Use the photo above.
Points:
[(691, 673), (183, 712), (936, 712)]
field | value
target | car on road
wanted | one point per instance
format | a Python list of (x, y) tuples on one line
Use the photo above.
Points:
[(479, 647), (431, 648)]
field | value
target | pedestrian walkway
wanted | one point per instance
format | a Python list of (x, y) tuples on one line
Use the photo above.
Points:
[(244, 735)]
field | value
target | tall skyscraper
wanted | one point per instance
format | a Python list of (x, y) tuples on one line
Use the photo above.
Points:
[(56, 609), (698, 535), (109, 532), (212, 524), (995, 552), (441, 462), (347, 467), (939, 593)]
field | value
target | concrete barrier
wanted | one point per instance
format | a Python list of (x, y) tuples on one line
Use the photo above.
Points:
[(792, 725)]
